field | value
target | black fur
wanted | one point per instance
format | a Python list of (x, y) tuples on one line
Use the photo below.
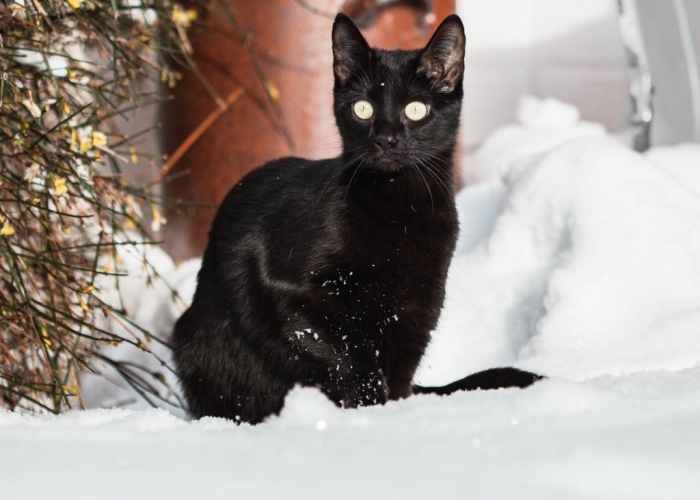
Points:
[(494, 378), (332, 273)]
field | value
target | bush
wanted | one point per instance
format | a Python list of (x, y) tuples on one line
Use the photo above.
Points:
[(69, 68)]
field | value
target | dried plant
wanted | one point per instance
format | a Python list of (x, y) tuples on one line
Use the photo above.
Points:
[(68, 69)]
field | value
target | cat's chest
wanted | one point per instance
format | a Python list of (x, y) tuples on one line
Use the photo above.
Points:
[(388, 259), (389, 268), (400, 239)]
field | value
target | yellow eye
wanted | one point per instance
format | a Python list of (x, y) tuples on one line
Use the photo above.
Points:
[(415, 111), (363, 110)]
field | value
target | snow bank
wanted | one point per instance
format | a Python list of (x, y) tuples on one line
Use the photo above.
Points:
[(630, 437), (542, 125), (682, 162), (576, 262)]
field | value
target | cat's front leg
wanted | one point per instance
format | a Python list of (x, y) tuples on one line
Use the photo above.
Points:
[(357, 379), (350, 375), (361, 386), (346, 369), (334, 335)]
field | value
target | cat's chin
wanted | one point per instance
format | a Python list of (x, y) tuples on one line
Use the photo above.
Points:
[(389, 164)]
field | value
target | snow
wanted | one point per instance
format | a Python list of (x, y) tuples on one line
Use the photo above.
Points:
[(577, 258), (591, 267), (542, 125), (630, 437), (154, 296)]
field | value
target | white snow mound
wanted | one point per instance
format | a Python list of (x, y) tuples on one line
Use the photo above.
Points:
[(542, 124), (589, 264)]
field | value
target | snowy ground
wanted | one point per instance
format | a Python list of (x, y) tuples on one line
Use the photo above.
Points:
[(578, 259), (631, 437)]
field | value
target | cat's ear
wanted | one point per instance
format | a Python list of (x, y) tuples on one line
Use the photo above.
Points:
[(443, 58), (350, 49)]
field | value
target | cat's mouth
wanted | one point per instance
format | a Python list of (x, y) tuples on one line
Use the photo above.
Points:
[(389, 162)]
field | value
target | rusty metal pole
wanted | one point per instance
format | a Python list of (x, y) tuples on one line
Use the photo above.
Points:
[(287, 44)]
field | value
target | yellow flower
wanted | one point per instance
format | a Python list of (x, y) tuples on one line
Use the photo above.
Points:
[(85, 138), (59, 185), (158, 219), (99, 139), (7, 229), (170, 77), (75, 3), (82, 303), (85, 145), (72, 390), (183, 17), (272, 90)]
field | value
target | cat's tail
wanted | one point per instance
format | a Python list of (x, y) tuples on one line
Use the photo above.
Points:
[(494, 378)]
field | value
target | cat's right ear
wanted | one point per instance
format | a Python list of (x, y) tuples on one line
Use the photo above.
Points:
[(443, 58), (350, 49)]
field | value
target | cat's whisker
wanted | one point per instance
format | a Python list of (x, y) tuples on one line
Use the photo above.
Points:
[(335, 177), (444, 189), (338, 173), (430, 162), (430, 193), (357, 169)]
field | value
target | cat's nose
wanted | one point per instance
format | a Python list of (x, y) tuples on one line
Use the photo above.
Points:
[(386, 141)]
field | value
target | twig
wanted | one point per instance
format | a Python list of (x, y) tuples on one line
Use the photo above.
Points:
[(196, 134), (325, 13)]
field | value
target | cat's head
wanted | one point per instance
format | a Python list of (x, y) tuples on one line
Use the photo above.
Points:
[(395, 107)]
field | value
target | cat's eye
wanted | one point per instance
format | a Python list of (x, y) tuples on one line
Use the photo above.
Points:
[(363, 110), (415, 111)]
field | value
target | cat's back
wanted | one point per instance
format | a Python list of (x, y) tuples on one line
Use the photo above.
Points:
[(276, 183), (269, 195), (254, 221), (282, 203)]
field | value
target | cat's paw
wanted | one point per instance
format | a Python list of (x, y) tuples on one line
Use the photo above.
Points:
[(365, 390)]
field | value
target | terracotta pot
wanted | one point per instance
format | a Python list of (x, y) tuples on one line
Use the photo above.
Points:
[(289, 47)]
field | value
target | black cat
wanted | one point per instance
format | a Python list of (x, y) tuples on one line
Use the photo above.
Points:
[(331, 273)]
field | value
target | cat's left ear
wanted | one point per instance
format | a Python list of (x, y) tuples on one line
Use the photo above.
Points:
[(443, 58), (350, 49)]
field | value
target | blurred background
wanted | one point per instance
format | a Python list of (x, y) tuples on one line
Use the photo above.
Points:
[(621, 63), (564, 49)]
